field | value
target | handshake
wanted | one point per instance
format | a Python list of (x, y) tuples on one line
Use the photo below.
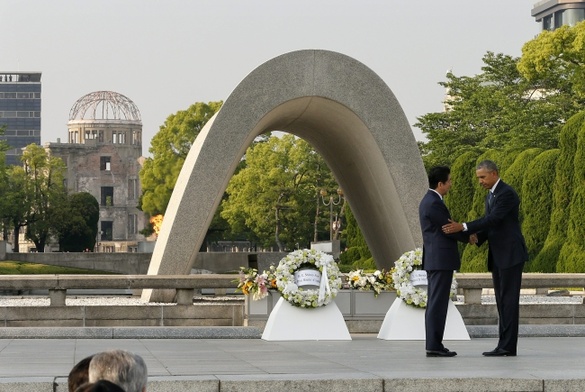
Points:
[(455, 227)]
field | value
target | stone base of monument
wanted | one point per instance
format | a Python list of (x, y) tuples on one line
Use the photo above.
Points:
[(405, 322), (288, 322)]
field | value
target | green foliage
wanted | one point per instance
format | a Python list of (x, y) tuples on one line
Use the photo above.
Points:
[(514, 175), (562, 192), (460, 196), (169, 148), (350, 255), (536, 207), (77, 223), (489, 110), (555, 61), (44, 191), (357, 253), (276, 194), (572, 256), (365, 264), (14, 202)]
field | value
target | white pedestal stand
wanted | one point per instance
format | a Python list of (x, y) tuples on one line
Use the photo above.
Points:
[(288, 322), (405, 322)]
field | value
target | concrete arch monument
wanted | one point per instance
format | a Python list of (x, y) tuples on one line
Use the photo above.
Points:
[(347, 113)]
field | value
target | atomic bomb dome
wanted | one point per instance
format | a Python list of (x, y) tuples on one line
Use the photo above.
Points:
[(105, 117), (104, 105), (103, 157)]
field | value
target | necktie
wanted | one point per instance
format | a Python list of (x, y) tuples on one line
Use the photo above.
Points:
[(490, 200)]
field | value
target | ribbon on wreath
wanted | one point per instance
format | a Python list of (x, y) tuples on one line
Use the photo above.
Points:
[(324, 288)]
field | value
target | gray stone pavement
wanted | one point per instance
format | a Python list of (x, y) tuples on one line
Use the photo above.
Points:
[(363, 364)]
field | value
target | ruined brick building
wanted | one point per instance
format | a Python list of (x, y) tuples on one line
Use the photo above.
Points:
[(103, 156)]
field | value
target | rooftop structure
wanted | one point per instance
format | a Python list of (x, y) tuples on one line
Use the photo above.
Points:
[(553, 14)]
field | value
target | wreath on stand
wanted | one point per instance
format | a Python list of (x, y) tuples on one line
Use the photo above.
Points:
[(329, 282), (401, 276)]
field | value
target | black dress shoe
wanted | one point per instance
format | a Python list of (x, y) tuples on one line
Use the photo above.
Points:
[(499, 352), (441, 353)]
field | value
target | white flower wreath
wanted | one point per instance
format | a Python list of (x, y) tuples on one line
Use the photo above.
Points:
[(299, 296), (412, 295)]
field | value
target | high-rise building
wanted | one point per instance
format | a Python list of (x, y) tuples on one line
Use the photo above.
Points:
[(20, 111), (103, 156), (553, 14)]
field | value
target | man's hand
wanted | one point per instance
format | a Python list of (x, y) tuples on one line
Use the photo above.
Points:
[(473, 239), (452, 227)]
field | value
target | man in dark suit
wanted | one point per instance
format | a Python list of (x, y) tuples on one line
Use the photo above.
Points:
[(440, 258), (507, 253)]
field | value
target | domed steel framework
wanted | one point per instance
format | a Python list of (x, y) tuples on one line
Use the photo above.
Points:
[(104, 105)]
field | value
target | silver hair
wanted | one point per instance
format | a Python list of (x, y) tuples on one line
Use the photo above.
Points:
[(123, 368), (487, 165)]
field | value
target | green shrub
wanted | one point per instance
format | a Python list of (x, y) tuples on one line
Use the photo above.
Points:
[(572, 256), (536, 208), (561, 195)]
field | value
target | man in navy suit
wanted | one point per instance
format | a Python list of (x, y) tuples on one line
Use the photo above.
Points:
[(507, 253), (440, 258)]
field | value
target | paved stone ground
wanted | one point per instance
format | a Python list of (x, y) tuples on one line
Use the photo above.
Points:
[(363, 364)]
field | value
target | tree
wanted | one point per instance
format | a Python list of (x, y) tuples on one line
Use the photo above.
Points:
[(275, 194), (555, 62), (15, 203), (77, 222), (485, 111), (358, 253), (45, 192), (169, 148)]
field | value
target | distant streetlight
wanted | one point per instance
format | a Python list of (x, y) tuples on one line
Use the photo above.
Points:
[(330, 202)]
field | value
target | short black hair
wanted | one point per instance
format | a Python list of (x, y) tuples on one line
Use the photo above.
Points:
[(488, 165), (438, 174)]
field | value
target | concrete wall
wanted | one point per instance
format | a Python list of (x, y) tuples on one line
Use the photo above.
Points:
[(154, 315), (137, 263)]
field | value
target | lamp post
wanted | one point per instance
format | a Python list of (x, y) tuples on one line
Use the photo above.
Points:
[(330, 202)]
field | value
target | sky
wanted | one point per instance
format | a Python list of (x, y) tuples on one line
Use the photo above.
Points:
[(166, 55)]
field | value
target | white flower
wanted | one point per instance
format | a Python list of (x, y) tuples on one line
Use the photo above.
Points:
[(412, 295), (299, 296)]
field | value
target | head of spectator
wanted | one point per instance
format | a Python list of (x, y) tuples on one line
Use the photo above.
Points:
[(123, 368), (99, 386), (79, 374)]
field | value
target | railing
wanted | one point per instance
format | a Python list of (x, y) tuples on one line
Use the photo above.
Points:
[(185, 285), (473, 283)]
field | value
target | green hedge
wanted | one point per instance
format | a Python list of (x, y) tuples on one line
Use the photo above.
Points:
[(561, 195), (572, 255), (460, 196), (536, 207)]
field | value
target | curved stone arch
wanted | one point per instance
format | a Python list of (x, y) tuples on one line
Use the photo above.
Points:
[(351, 118)]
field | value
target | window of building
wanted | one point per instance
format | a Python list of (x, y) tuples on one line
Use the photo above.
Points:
[(132, 223), (105, 163), (106, 231), (573, 16), (122, 138), (132, 188), (107, 196), (114, 137), (101, 136), (558, 19)]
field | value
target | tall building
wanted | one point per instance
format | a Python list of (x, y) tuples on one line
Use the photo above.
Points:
[(553, 14), (20, 111), (103, 156)]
